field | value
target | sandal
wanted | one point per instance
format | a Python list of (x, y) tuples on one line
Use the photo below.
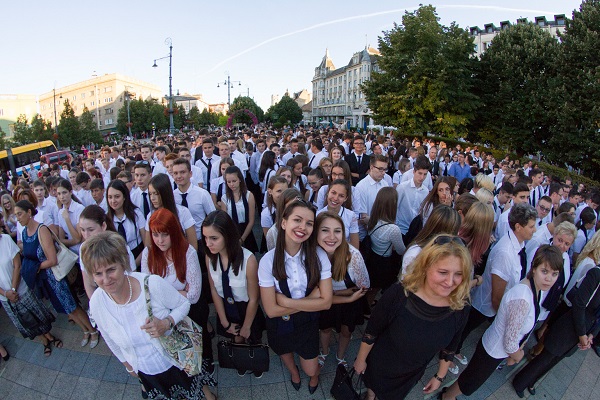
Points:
[(56, 342), (86, 338), (94, 342), (48, 349), (342, 362), (321, 359)]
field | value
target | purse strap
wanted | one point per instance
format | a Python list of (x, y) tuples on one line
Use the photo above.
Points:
[(147, 296)]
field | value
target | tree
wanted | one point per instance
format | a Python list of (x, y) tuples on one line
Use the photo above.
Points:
[(37, 131), (4, 143), (577, 93), (194, 117), (246, 103), (179, 116), (89, 130), (286, 111), (208, 118), (69, 132), (425, 83), (514, 79)]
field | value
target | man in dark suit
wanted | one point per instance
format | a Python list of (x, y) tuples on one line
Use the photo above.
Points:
[(358, 160)]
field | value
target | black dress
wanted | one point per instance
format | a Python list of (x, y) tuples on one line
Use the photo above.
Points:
[(407, 333)]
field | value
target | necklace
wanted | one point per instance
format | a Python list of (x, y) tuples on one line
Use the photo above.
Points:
[(130, 295)]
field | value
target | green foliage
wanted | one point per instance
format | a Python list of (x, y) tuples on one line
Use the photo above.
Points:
[(208, 118), (69, 132), (246, 103), (179, 117), (222, 121), (514, 79), (36, 131), (4, 143), (88, 129), (285, 112), (426, 79), (576, 135)]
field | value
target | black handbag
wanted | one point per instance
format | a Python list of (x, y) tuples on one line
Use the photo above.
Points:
[(28, 319), (343, 387), (243, 357)]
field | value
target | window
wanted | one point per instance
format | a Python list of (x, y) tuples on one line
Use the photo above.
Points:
[(92, 103), (1, 111), (108, 89), (108, 121), (83, 95), (108, 111), (100, 123), (92, 93), (75, 98), (108, 100)]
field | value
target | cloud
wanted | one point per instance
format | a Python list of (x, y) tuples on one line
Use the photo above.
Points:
[(371, 15)]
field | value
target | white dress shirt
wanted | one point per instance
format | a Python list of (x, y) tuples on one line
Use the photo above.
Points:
[(199, 203)]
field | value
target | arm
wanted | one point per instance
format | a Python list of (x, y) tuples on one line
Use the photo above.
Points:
[(190, 234), (88, 284), (269, 301), (498, 287), (253, 295), (251, 216), (354, 240), (219, 308), (583, 296), (48, 246), (73, 231), (310, 304), (193, 277), (516, 313)]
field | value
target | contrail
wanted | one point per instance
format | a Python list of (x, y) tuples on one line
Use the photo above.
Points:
[(364, 16)]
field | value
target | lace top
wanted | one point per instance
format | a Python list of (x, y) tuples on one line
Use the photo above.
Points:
[(357, 271), (193, 274), (382, 237)]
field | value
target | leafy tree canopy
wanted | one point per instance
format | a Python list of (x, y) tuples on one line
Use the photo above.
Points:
[(286, 111), (246, 103)]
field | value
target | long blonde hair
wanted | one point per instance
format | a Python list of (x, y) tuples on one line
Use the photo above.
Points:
[(434, 252), (591, 250)]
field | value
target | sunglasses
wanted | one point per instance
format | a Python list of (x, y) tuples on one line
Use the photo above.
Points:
[(142, 162), (445, 239)]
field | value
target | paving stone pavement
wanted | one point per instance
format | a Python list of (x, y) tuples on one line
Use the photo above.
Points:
[(75, 372)]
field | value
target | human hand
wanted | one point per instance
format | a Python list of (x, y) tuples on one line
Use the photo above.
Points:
[(360, 366), (432, 385), (358, 294), (584, 342), (12, 296), (156, 327), (245, 332), (64, 213), (234, 330)]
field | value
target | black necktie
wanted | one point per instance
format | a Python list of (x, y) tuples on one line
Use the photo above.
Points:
[(146, 205), (311, 160), (359, 160), (121, 230), (446, 170), (174, 185), (248, 159), (523, 256), (540, 223), (533, 198), (208, 169), (184, 200)]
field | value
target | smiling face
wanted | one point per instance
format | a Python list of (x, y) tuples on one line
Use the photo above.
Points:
[(214, 239), (336, 154), (287, 175), (110, 278), (330, 235), (299, 225), (336, 196), (115, 199), (444, 276)]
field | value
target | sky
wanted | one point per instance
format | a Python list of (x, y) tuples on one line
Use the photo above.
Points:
[(269, 46)]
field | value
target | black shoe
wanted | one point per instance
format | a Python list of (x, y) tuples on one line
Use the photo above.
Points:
[(294, 384), (597, 350), (6, 357), (312, 389), (258, 374), (144, 394), (531, 391), (521, 394)]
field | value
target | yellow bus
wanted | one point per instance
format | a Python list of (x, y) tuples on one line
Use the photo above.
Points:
[(17, 158)]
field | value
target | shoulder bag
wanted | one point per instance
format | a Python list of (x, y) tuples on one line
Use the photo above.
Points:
[(184, 344), (66, 258), (243, 357), (343, 387)]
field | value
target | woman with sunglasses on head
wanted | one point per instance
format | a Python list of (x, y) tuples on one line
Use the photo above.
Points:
[(350, 281), (160, 193), (516, 318), (127, 217), (233, 279), (295, 284), (239, 203), (433, 301)]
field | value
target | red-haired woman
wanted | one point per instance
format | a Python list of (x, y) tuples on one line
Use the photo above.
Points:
[(171, 257)]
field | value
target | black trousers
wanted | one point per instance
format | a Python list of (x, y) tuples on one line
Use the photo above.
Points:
[(199, 314), (540, 365)]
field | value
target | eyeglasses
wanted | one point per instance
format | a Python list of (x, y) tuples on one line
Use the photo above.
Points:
[(380, 169), (142, 162), (314, 183), (445, 239), (544, 209)]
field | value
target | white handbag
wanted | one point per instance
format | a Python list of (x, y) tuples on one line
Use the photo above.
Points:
[(66, 258)]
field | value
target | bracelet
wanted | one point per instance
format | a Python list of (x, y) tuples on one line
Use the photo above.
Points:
[(128, 370), (438, 378), (228, 326)]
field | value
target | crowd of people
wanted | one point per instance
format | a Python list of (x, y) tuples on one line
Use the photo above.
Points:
[(422, 241)]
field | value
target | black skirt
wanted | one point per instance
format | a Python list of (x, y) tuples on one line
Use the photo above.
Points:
[(302, 340), (176, 384), (250, 242), (348, 314), (383, 271), (257, 328)]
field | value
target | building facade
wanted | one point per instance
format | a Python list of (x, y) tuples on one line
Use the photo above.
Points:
[(102, 95), (483, 37), (337, 97), (189, 101), (13, 105)]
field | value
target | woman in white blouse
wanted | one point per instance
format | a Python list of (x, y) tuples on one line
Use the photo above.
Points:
[(339, 201), (350, 281), (233, 279), (128, 219), (69, 210), (295, 284), (120, 310), (514, 322)]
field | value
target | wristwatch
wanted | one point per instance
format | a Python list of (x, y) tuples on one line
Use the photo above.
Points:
[(13, 289), (171, 325)]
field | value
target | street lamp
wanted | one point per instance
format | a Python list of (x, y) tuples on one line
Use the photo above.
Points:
[(128, 94), (55, 119), (169, 43), (229, 82)]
